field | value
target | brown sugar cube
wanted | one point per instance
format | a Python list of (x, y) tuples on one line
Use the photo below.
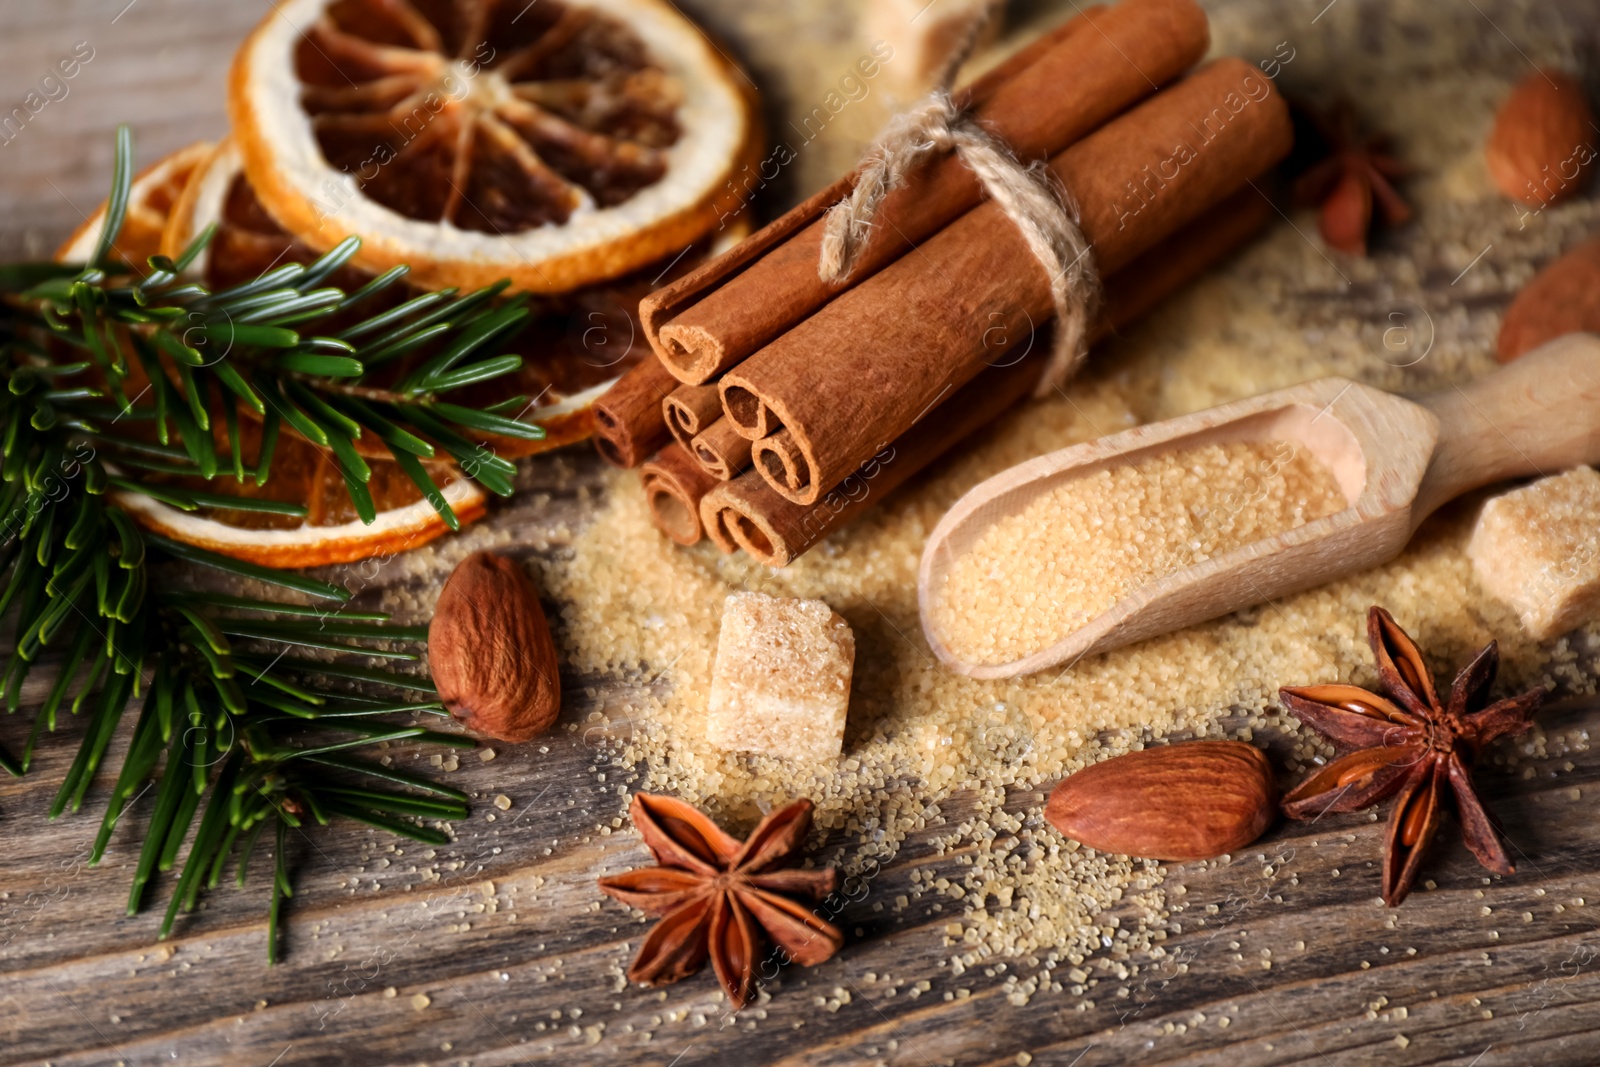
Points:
[(1536, 549), (781, 683)]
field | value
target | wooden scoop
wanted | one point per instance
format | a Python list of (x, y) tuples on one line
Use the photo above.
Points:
[(1396, 460)]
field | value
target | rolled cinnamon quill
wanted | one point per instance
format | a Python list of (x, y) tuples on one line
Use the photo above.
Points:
[(715, 524), (688, 409), (776, 531), (674, 485), (721, 450), (749, 512), (628, 422), (839, 386), (1051, 95)]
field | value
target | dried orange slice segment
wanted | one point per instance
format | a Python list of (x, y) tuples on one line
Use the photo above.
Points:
[(151, 198), (556, 143), (309, 545), (248, 242), (330, 533)]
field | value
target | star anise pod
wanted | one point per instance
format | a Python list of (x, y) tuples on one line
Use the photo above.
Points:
[(1359, 171), (1408, 743), (723, 899)]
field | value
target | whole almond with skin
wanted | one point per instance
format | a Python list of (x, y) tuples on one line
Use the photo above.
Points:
[(1561, 299), (490, 651), (1543, 145), (1190, 801)]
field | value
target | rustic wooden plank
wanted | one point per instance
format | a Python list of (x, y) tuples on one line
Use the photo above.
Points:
[(414, 944)]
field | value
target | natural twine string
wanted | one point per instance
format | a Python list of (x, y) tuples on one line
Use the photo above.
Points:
[(1038, 205)]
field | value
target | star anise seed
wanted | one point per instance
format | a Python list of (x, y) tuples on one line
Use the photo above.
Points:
[(1359, 171), (722, 899), (1407, 742)]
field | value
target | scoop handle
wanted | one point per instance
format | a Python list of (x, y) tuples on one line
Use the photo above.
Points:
[(1539, 415)]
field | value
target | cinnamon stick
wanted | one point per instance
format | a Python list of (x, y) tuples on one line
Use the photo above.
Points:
[(688, 409), (658, 308), (674, 485), (628, 423), (715, 524), (1099, 64), (860, 371), (776, 531), (721, 450)]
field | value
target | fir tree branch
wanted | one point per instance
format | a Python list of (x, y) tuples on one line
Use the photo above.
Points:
[(229, 735)]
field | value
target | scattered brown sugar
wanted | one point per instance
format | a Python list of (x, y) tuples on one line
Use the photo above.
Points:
[(1535, 548), (1034, 577), (966, 764)]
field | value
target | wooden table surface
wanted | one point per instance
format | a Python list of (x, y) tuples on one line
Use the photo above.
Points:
[(497, 949)]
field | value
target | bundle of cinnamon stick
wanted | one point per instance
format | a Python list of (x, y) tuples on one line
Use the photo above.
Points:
[(779, 405)]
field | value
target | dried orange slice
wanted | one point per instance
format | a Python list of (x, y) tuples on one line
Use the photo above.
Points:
[(151, 198), (556, 143), (309, 545), (330, 531)]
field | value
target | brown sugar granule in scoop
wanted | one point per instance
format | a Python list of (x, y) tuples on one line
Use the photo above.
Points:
[(1036, 576)]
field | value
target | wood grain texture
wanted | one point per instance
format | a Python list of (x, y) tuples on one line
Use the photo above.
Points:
[(518, 957)]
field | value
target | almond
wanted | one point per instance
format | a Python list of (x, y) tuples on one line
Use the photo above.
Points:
[(490, 652), (1188, 801), (1542, 147), (1561, 299)]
